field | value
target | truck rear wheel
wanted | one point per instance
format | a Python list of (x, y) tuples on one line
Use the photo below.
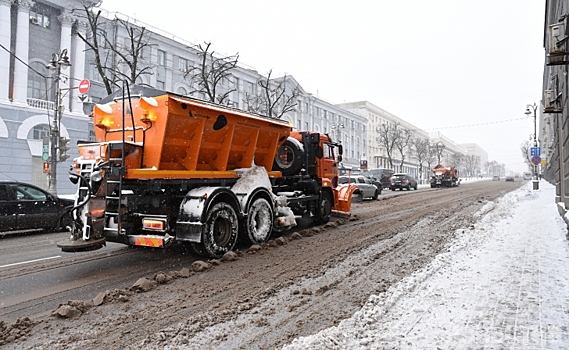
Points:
[(220, 231), (258, 224), (325, 208)]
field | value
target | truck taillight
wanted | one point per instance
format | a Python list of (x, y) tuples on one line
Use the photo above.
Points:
[(154, 224)]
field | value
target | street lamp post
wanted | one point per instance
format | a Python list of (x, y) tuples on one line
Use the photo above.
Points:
[(528, 113), (58, 62), (337, 126)]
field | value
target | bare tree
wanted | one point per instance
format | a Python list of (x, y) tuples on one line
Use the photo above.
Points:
[(458, 161), (431, 157), (525, 147), (273, 100), (115, 60), (130, 53), (438, 149), (389, 134), (402, 144), (421, 146), (472, 165), (208, 76), (91, 39)]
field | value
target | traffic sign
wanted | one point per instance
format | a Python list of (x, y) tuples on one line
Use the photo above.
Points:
[(536, 151), (45, 149), (84, 86), (535, 160)]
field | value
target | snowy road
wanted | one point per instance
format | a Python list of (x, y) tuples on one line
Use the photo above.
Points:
[(504, 283)]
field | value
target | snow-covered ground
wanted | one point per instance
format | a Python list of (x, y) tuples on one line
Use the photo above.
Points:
[(503, 283)]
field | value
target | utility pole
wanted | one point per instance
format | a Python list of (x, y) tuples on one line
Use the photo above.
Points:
[(528, 113), (58, 62)]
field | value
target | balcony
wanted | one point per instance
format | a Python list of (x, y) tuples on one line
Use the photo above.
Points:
[(41, 104)]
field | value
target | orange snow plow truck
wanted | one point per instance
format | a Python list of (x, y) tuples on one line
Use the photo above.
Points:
[(444, 176), (168, 168)]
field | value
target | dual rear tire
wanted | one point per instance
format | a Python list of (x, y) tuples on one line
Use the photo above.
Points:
[(222, 228)]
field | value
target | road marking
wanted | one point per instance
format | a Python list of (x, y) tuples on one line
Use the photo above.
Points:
[(31, 261)]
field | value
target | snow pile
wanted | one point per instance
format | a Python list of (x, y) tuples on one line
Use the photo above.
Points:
[(502, 284)]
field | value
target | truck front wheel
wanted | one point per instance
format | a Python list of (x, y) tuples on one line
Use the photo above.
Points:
[(258, 224), (325, 208), (220, 231)]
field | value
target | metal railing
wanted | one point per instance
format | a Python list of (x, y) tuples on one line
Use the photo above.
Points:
[(41, 104)]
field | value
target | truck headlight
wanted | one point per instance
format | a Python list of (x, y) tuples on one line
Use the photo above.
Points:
[(96, 176)]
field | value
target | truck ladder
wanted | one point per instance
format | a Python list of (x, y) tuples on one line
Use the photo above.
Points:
[(115, 173), (113, 191)]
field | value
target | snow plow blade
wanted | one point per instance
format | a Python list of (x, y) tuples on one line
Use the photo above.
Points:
[(80, 245), (344, 193)]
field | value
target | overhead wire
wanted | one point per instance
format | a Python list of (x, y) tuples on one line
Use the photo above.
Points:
[(478, 124)]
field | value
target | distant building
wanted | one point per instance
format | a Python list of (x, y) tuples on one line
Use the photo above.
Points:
[(473, 149), (377, 155)]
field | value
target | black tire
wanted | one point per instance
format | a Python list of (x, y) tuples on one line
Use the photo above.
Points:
[(288, 159), (325, 208), (258, 225), (357, 197), (60, 224), (416, 186), (220, 231), (197, 249), (375, 195)]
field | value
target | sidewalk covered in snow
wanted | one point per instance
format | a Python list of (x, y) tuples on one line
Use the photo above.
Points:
[(503, 283)]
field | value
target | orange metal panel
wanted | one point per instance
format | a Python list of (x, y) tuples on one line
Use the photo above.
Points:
[(183, 134)]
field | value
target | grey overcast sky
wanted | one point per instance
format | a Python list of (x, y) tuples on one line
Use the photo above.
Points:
[(466, 68)]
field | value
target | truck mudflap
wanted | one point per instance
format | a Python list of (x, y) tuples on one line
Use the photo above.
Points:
[(344, 193)]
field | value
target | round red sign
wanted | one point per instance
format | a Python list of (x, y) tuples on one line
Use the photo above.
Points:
[(84, 86)]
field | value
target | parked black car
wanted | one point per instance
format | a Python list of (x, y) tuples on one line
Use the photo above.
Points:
[(401, 181), (27, 207)]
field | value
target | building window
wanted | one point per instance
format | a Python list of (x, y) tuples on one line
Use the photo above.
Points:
[(182, 91), (39, 19), (160, 85), (183, 64), (250, 87), (40, 131), (161, 58), (37, 85), (92, 136)]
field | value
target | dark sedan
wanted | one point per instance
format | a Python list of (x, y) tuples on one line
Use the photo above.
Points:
[(25, 207), (401, 181)]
